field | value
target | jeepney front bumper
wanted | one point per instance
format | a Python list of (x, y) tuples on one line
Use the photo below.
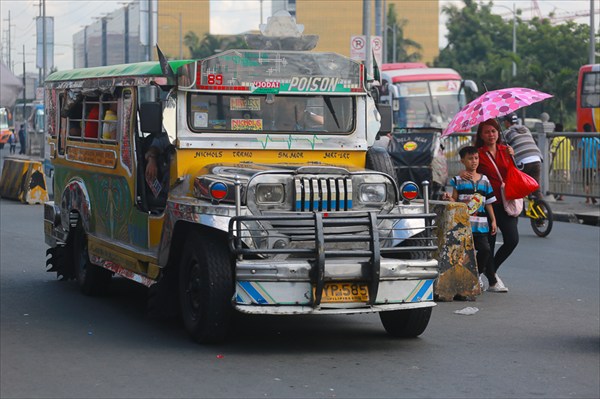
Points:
[(332, 263)]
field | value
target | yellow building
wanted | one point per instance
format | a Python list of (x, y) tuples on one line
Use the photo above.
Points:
[(335, 21), (193, 15)]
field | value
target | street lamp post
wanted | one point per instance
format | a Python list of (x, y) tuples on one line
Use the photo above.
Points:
[(514, 43)]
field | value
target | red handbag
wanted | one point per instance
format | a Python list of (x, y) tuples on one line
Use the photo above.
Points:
[(518, 184)]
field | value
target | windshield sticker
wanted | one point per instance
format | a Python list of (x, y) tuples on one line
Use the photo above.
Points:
[(199, 106), (218, 123), (244, 104), (200, 119), (246, 124)]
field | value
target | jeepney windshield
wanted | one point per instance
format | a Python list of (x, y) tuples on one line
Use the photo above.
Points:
[(3, 118), (428, 104), (269, 113)]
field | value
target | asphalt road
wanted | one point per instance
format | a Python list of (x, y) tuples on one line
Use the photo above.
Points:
[(542, 339)]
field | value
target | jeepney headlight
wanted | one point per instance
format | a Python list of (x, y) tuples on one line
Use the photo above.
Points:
[(270, 193), (372, 192)]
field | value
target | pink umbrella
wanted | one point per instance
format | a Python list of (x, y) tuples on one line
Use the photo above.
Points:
[(493, 104)]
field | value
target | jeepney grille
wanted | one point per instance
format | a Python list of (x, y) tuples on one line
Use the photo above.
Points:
[(323, 194)]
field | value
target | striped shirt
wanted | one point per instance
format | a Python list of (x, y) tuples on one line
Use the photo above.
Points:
[(476, 195), (520, 139)]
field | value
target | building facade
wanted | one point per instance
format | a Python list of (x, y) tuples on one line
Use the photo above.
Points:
[(122, 36)]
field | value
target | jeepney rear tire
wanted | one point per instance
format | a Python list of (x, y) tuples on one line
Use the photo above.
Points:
[(206, 288), (92, 280), (408, 323), (378, 159)]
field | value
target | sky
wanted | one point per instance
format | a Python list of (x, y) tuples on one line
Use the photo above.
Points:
[(227, 17)]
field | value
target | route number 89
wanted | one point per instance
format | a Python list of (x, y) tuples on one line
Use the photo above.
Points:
[(213, 79)]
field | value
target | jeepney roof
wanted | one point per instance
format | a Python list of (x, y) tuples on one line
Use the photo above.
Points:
[(139, 69)]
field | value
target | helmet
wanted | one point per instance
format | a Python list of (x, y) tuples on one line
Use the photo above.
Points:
[(511, 118)]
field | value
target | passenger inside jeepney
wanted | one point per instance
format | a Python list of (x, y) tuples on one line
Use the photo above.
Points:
[(297, 114)]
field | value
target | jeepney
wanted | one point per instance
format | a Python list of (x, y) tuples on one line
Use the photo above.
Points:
[(274, 200)]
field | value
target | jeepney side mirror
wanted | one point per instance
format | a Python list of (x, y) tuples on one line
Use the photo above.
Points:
[(385, 111), (151, 117)]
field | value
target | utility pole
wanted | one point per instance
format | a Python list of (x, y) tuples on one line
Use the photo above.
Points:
[(367, 34), (40, 69), (43, 143), (9, 63), (28, 140), (592, 34)]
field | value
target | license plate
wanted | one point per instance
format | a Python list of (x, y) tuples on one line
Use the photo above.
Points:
[(344, 292)]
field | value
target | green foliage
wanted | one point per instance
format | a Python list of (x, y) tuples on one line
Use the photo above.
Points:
[(211, 44), (407, 50), (548, 56)]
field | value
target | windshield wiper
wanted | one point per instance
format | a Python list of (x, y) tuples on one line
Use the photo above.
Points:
[(332, 111)]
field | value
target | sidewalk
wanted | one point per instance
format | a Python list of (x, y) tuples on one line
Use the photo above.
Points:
[(574, 210)]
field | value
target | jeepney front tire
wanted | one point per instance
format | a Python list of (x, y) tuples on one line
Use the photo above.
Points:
[(92, 280), (206, 288), (378, 159), (408, 323)]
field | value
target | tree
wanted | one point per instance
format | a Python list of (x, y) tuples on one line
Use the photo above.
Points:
[(407, 50), (548, 56), (211, 44)]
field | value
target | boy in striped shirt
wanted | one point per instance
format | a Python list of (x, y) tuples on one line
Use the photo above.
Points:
[(478, 194)]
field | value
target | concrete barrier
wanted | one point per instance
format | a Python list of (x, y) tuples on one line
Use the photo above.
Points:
[(458, 277), (23, 180)]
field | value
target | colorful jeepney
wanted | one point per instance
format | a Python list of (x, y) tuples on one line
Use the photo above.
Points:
[(275, 202)]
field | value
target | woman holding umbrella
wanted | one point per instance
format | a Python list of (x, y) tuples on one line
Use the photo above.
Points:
[(491, 150)]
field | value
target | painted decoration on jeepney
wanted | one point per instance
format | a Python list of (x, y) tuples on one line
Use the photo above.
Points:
[(290, 140), (92, 156), (126, 126), (51, 112), (200, 119), (246, 124), (112, 210), (244, 103), (263, 72)]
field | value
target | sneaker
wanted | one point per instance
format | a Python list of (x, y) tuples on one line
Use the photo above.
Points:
[(496, 288), (483, 283), (500, 283)]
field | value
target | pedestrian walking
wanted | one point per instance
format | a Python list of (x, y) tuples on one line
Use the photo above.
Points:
[(22, 138), (560, 152), (478, 195), (589, 151), (494, 154), (528, 156), (12, 142)]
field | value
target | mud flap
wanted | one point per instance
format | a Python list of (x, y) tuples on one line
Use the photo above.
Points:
[(58, 260)]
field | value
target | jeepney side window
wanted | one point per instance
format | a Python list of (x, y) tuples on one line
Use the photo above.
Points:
[(108, 118), (73, 119), (91, 116)]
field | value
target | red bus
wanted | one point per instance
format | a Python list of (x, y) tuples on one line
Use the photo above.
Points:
[(588, 98), (423, 97)]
